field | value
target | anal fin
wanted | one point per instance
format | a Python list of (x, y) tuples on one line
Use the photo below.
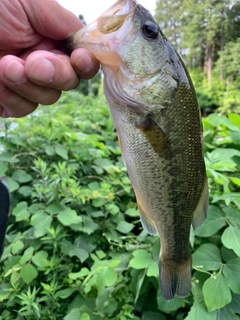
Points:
[(147, 223), (200, 212)]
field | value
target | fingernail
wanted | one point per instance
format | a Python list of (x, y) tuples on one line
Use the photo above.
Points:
[(41, 70), (84, 62), (15, 72)]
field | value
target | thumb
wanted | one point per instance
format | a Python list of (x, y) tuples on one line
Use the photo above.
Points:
[(50, 19)]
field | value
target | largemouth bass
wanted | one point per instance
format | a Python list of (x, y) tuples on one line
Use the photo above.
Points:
[(155, 111)]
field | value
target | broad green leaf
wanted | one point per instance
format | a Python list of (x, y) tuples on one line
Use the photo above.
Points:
[(27, 255), (226, 313), (28, 273), (12, 184), (85, 316), (235, 180), (41, 223), (55, 208), (3, 168), (235, 119), (141, 259), (198, 310), (132, 213), (216, 292), (110, 276), (125, 227), (207, 257), (231, 239), (232, 215), (152, 270), (21, 211), (25, 191), (68, 217), (65, 293), (231, 272), (80, 253), (150, 315), (8, 157), (169, 306), (40, 259), (98, 202), (100, 254), (61, 151), (21, 176), (76, 275), (17, 246), (112, 208), (74, 314), (215, 220)]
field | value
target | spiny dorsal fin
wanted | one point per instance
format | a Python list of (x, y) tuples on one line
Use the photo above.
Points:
[(156, 137)]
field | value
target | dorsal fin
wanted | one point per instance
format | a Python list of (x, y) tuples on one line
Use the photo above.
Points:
[(156, 137)]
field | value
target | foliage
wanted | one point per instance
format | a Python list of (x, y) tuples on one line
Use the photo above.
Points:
[(207, 34), (75, 248)]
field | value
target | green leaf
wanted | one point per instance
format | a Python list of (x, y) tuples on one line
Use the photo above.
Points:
[(55, 208), (68, 217), (77, 275), (28, 273), (61, 151), (112, 208), (226, 314), (25, 191), (169, 306), (27, 255), (17, 246), (216, 292), (152, 270), (80, 253), (41, 223), (231, 239), (110, 275), (198, 309), (232, 215), (207, 257), (85, 316), (12, 185), (215, 220), (132, 213), (65, 293), (3, 168), (21, 211), (231, 273), (40, 259), (74, 314), (150, 315), (21, 176), (125, 227), (141, 259)]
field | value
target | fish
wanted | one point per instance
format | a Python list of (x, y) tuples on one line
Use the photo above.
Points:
[(156, 114)]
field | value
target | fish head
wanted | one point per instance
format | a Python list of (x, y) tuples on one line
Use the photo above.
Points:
[(139, 64)]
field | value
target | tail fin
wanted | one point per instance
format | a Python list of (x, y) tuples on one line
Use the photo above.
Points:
[(175, 278)]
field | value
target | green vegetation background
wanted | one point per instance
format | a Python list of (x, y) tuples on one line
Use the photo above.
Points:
[(75, 248)]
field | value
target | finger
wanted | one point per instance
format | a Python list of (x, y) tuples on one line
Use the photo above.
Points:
[(13, 105), (84, 63), (51, 69), (12, 75)]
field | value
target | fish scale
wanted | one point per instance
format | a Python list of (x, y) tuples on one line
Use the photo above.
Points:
[(155, 111)]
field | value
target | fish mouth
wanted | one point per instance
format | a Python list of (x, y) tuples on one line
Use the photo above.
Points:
[(102, 35)]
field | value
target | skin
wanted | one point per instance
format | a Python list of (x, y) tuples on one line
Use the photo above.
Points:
[(34, 67)]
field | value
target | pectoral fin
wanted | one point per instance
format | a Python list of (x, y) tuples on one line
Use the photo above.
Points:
[(156, 137), (200, 212), (147, 223)]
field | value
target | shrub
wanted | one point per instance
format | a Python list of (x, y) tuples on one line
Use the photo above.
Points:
[(75, 248)]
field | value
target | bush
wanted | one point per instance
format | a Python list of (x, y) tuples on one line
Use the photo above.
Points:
[(75, 248)]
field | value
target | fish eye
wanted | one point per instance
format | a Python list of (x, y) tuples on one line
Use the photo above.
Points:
[(150, 29)]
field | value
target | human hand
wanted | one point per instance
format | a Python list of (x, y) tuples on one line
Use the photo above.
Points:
[(33, 66)]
